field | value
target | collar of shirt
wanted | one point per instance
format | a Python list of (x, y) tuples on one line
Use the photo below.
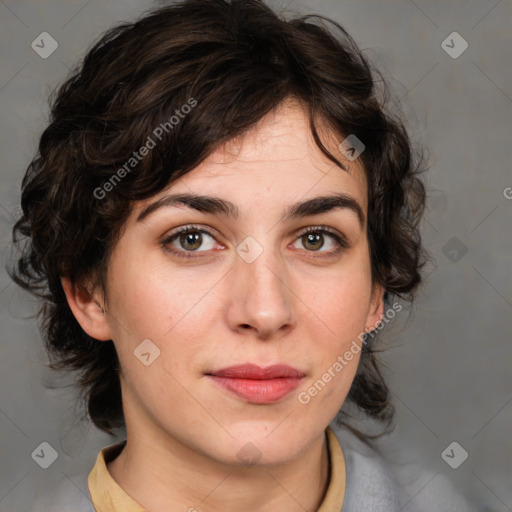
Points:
[(108, 496)]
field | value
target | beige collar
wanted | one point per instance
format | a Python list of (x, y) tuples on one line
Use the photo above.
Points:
[(108, 496)]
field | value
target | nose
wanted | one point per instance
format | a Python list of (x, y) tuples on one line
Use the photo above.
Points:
[(261, 301)]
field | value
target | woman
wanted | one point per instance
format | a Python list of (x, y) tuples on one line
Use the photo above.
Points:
[(221, 218)]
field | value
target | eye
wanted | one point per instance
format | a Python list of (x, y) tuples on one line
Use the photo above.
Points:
[(189, 239), (322, 239)]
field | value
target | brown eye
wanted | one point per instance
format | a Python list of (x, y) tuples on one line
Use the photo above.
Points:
[(322, 240), (191, 241), (313, 241)]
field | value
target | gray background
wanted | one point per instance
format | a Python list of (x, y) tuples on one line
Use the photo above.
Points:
[(450, 370)]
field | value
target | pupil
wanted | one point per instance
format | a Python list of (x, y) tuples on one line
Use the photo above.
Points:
[(314, 240), (191, 240)]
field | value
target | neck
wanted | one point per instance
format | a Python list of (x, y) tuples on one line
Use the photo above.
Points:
[(164, 474)]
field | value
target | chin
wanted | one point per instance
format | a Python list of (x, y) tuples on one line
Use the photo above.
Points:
[(260, 446)]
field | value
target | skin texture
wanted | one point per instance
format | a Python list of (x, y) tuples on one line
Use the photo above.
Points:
[(292, 305)]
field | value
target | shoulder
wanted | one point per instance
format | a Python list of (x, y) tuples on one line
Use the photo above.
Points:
[(70, 493), (374, 483), (369, 485)]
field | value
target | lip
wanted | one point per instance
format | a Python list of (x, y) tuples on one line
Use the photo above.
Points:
[(258, 385)]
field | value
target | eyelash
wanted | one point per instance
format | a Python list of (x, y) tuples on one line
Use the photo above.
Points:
[(340, 240)]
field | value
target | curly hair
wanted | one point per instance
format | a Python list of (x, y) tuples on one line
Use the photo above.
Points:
[(232, 62)]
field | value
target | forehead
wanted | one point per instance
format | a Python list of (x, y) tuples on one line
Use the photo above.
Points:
[(274, 163)]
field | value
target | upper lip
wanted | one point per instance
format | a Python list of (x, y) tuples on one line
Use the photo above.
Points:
[(252, 371)]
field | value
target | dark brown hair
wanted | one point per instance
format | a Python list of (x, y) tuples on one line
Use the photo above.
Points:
[(231, 62)]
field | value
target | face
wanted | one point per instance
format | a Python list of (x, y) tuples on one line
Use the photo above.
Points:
[(252, 282)]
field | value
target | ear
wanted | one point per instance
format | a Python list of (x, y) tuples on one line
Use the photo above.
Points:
[(87, 309), (375, 309)]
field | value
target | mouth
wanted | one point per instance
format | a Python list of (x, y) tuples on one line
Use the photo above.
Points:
[(258, 385)]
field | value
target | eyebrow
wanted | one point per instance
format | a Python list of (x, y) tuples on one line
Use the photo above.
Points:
[(216, 205)]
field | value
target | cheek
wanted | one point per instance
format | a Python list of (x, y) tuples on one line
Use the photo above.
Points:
[(337, 328), (341, 302), (148, 299), (152, 302)]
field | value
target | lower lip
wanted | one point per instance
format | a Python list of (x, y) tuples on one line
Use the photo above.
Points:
[(258, 391)]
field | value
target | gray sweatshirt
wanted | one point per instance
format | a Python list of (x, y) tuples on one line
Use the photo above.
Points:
[(373, 484)]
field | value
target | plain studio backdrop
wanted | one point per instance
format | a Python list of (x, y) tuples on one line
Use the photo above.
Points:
[(449, 367)]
